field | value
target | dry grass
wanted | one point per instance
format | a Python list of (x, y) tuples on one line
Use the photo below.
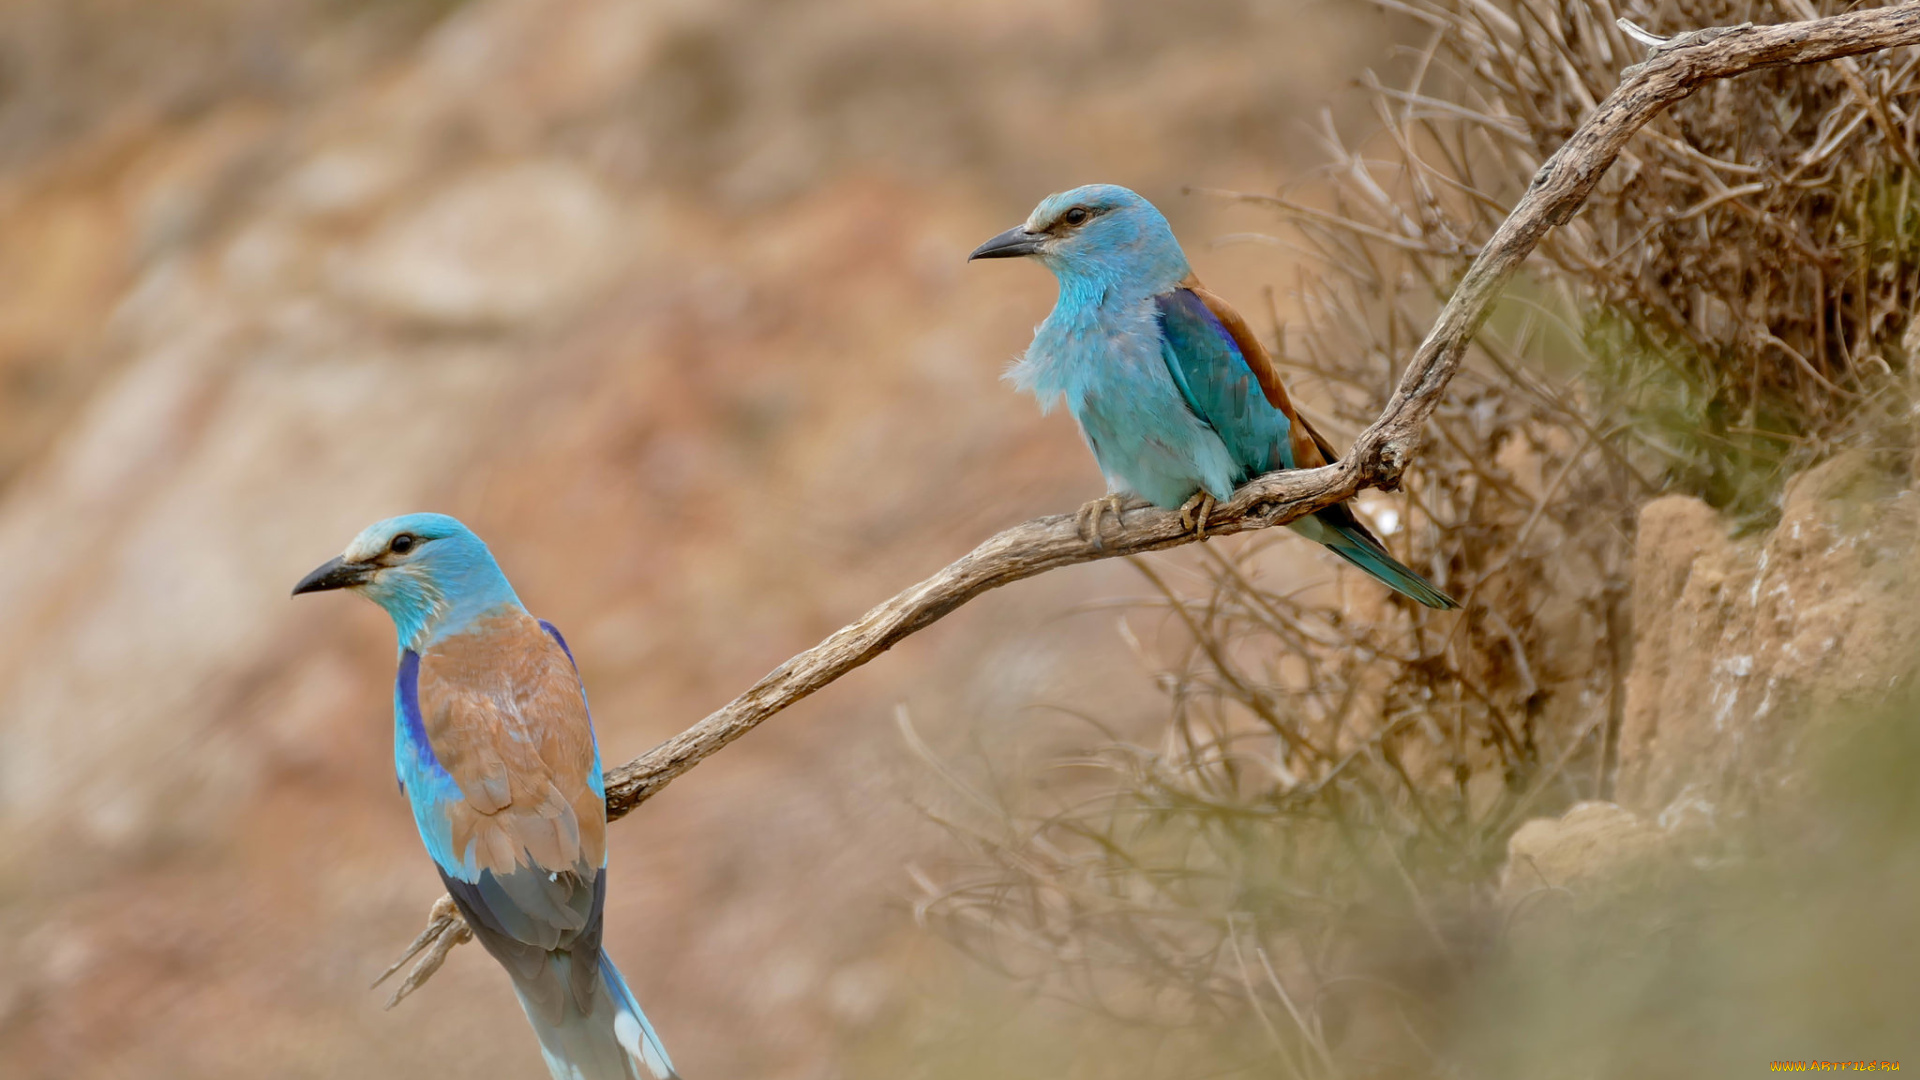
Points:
[(1302, 860)]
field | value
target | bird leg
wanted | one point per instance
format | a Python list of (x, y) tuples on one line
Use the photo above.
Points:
[(445, 930), (1087, 521), (1195, 512)]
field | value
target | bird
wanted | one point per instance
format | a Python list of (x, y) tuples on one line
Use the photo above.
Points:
[(493, 746), (1178, 400)]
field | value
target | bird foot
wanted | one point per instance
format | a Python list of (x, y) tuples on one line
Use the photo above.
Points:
[(1087, 521), (1195, 512), (446, 929)]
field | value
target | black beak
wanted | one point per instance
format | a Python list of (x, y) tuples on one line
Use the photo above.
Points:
[(1011, 244), (337, 573)]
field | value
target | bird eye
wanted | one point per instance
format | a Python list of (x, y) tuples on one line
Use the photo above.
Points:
[(401, 544), (1076, 216)]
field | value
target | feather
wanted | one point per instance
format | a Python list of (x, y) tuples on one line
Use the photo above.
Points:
[(1309, 449)]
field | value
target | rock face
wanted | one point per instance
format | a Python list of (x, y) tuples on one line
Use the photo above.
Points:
[(1739, 645), (1742, 649), (1580, 851), (505, 246)]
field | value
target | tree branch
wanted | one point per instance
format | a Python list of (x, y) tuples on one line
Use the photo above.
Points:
[(1674, 68)]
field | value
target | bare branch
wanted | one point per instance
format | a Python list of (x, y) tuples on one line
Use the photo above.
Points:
[(1023, 551), (1674, 69)]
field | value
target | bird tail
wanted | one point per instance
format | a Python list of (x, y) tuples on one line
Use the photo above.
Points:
[(613, 1041), (1351, 541)]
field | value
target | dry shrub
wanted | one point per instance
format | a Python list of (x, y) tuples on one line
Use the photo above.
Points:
[(1743, 275), (1302, 860)]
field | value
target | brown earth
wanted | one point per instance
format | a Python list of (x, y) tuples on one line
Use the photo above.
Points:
[(1745, 651), (668, 301), (1740, 644)]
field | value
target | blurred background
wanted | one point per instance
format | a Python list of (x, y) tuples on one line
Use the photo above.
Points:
[(668, 301)]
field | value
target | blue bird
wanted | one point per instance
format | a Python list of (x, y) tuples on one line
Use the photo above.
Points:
[(494, 748), (1173, 393)]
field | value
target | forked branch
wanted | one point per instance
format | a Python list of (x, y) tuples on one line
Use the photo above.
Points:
[(1675, 67)]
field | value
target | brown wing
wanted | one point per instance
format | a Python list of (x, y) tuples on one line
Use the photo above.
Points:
[(1310, 450), (504, 713)]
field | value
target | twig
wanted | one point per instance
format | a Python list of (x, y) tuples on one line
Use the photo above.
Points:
[(1674, 69), (1850, 71)]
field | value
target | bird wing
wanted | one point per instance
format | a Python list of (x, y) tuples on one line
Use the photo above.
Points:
[(509, 796), (1217, 360)]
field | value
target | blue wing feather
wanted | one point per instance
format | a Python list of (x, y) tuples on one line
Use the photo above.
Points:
[(428, 786), (1220, 387)]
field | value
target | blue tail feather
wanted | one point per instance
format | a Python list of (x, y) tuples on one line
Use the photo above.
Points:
[(614, 1041), (1353, 543)]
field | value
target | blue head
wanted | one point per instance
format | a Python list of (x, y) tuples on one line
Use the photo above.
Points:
[(1102, 241), (431, 573)]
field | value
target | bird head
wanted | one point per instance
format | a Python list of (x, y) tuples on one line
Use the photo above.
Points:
[(1099, 234), (429, 572)]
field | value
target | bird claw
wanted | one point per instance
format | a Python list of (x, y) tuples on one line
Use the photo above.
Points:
[(1086, 522), (446, 929), (1196, 512)]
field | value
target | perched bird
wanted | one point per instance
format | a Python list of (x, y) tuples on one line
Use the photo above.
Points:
[(1174, 394), (495, 750)]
